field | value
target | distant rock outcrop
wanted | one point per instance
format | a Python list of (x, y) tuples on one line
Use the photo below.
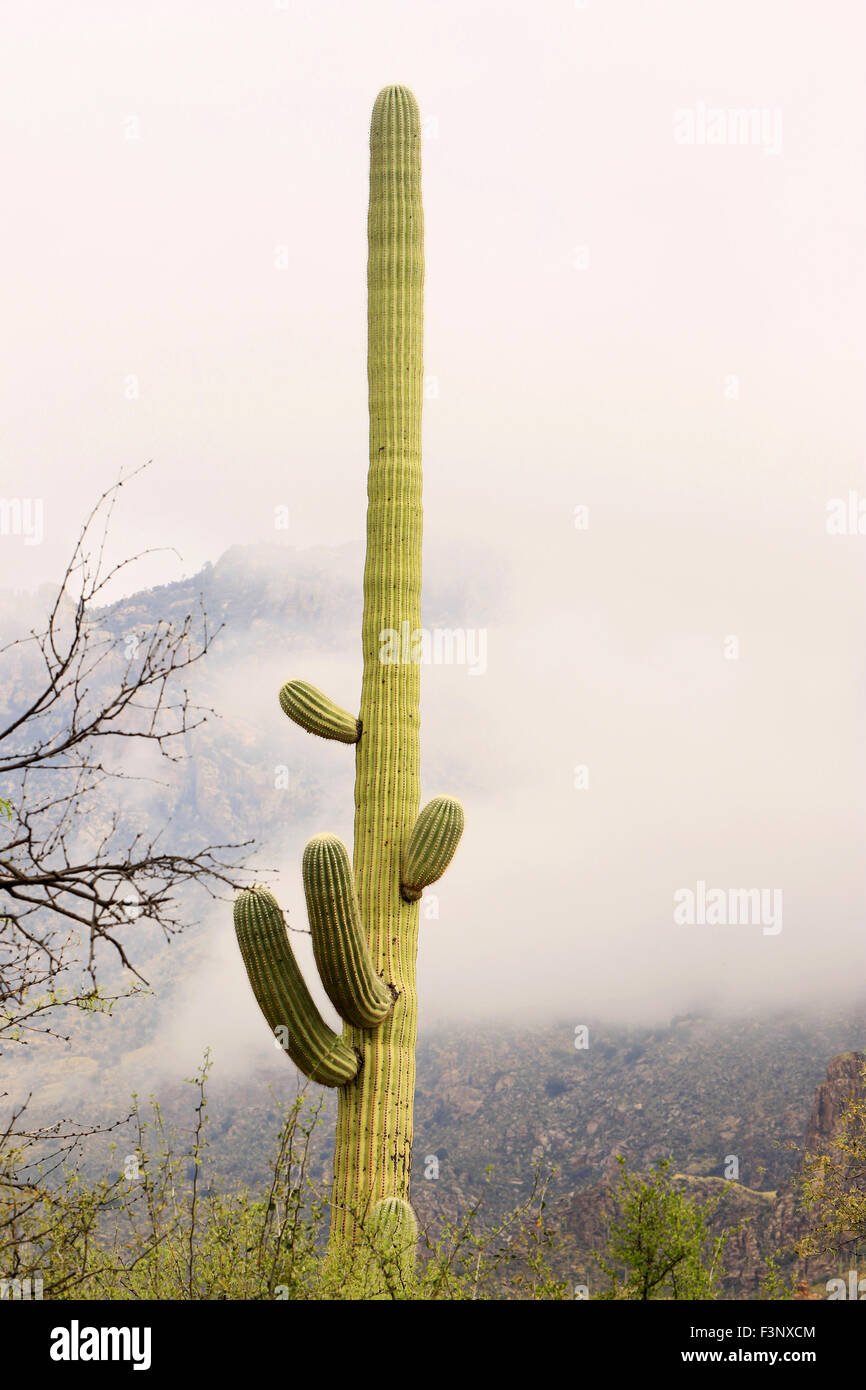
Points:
[(845, 1081), (760, 1223)]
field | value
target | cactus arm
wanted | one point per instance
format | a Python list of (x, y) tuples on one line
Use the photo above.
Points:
[(339, 942), (318, 714), (432, 845), (394, 1218), (282, 993), (386, 1260)]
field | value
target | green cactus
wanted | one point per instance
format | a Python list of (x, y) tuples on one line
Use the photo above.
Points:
[(283, 996), (388, 1241), (431, 846), (339, 944), (364, 921), (317, 713)]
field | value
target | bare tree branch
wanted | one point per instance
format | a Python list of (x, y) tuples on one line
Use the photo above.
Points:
[(76, 871)]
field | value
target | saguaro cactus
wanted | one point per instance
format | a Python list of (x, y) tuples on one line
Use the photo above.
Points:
[(364, 921)]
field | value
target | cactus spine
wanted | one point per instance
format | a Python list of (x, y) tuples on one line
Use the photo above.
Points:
[(365, 920)]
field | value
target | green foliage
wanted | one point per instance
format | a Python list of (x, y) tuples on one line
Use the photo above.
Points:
[(774, 1286), (161, 1227), (834, 1190), (660, 1245)]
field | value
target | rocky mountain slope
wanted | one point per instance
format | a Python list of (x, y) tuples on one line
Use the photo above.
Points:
[(760, 1223), (495, 1106)]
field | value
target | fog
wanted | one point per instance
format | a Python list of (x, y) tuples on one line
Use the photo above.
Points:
[(610, 672), (644, 361)]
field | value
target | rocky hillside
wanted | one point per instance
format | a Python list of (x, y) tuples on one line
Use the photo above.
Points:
[(760, 1223), (496, 1105)]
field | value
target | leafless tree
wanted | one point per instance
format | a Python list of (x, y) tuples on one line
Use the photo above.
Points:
[(77, 871)]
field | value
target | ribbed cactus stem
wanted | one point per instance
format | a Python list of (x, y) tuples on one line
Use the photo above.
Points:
[(374, 1124), (282, 994), (339, 942), (432, 845), (364, 918), (318, 714)]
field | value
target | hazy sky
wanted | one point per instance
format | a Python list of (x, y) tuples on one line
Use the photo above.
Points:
[(670, 334)]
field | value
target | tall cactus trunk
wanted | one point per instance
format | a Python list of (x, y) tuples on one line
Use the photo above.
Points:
[(374, 1127), (364, 921)]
